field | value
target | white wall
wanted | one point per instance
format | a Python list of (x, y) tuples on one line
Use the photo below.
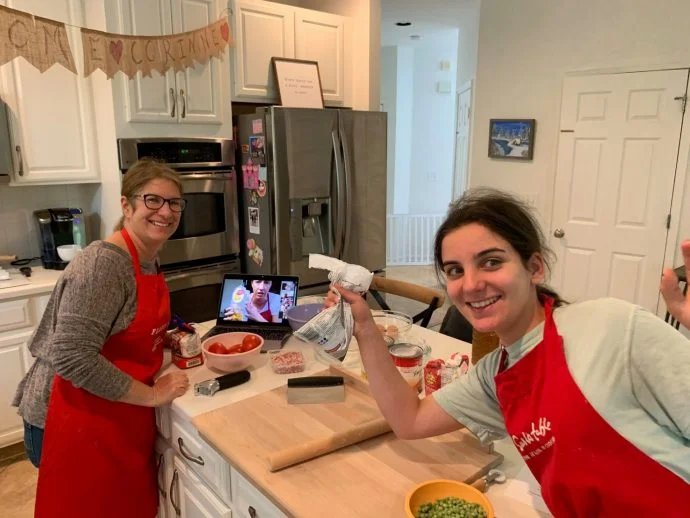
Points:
[(526, 49), (404, 111), (467, 17), (433, 124), (18, 229), (389, 67)]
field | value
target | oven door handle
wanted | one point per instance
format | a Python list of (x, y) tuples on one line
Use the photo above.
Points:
[(206, 176)]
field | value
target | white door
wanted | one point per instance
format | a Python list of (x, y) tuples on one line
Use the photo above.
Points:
[(614, 181), (12, 370), (192, 497), (146, 99), (262, 30), (199, 89), (462, 138), (52, 117), (320, 37)]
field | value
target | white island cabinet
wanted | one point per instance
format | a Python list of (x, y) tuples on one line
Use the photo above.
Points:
[(224, 490)]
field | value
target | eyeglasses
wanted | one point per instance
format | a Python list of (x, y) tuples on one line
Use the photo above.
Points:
[(155, 202)]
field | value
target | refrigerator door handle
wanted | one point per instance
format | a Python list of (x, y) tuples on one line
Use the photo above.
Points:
[(339, 202), (347, 161)]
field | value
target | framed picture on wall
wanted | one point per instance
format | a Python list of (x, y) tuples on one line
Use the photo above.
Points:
[(298, 83), (511, 138)]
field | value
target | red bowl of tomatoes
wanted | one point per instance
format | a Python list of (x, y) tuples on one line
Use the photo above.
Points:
[(231, 352)]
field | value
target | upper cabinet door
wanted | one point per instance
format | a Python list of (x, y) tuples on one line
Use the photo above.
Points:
[(199, 89), (320, 37), (146, 99), (262, 30), (52, 114)]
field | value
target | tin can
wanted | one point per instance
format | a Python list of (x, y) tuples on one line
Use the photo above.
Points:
[(408, 359)]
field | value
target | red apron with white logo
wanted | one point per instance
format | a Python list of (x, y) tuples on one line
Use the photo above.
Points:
[(585, 467), (98, 455)]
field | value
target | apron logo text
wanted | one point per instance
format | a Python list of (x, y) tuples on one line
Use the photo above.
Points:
[(538, 432)]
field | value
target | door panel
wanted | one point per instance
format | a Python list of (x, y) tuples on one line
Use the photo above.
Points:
[(199, 95), (148, 99), (614, 182), (462, 139)]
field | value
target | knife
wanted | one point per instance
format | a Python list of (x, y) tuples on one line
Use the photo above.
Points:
[(210, 387)]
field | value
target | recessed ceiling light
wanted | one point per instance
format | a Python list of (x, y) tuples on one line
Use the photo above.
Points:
[(403, 24), (415, 37)]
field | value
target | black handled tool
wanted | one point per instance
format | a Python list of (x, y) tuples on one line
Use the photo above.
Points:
[(210, 387)]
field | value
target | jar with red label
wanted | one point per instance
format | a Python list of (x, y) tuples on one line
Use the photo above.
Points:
[(408, 359)]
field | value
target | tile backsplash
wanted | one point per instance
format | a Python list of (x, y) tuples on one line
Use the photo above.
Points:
[(18, 230)]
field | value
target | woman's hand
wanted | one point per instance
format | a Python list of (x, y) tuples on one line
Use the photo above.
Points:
[(360, 309), (253, 313), (168, 387), (678, 304)]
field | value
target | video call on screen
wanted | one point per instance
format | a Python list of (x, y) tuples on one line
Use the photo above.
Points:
[(277, 299)]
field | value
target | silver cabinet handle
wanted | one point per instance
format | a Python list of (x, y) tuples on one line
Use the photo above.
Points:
[(173, 100), (173, 484), (184, 103), (559, 233), (252, 512), (199, 460), (161, 488), (20, 162)]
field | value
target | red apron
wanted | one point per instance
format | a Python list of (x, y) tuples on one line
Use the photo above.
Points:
[(98, 455), (585, 467)]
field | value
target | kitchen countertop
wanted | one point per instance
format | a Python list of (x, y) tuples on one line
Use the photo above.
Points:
[(41, 281), (263, 379)]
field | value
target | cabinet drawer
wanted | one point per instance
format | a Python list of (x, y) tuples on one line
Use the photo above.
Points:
[(201, 458), (191, 498), (249, 502), (15, 314)]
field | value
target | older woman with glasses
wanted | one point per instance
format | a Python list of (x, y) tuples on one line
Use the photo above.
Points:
[(88, 400)]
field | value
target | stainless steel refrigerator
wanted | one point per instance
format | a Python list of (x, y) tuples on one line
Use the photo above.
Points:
[(312, 181)]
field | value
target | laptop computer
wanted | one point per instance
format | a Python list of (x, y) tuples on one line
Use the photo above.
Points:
[(256, 304)]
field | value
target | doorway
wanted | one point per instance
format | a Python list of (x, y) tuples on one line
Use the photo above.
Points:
[(463, 128), (616, 172)]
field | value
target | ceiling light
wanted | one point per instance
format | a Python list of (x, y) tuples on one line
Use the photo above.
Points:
[(403, 24), (415, 37)]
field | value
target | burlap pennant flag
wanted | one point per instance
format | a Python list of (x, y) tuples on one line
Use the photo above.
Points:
[(16, 35), (52, 45)]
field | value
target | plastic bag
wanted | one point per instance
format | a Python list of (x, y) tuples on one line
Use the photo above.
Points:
[(331, 329)]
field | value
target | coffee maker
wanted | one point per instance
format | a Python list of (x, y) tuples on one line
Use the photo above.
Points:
[(61, 226)]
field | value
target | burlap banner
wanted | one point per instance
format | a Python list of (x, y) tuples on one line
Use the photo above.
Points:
[(130, 54), (44, 42), (40, 41)]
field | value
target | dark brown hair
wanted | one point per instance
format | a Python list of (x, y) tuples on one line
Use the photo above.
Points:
[(506, 216), (141, 173)]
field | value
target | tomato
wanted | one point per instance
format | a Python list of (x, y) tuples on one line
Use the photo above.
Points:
[(234, 349), (217, 348), (250, 342)]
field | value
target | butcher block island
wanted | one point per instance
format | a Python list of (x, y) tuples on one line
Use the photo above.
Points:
[(370, 478)]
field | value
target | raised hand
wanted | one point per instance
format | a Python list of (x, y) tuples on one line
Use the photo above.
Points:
[(677, 303)]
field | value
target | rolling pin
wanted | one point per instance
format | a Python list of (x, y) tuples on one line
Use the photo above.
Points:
[(8, 257), (317, 447)]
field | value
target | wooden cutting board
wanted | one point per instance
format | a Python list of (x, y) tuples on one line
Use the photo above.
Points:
[(370, 478)]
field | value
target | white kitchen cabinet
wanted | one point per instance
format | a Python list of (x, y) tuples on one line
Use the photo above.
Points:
[(178, 103), (18, 320), (52, 114), (164, 461), (249, 502), (191, 498), (263, 30), (320, 37)]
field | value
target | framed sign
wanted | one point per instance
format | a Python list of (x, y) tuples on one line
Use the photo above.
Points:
[(298, 83), (511, 138)]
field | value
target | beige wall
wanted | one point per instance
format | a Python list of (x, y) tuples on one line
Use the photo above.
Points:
[(525, 50)]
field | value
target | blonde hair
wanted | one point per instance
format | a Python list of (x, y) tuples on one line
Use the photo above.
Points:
[(141, 173)]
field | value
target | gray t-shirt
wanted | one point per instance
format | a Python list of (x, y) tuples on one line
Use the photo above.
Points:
[(630, 365), (94, 299)]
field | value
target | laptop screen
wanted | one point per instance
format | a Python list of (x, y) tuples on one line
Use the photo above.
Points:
[(256, 299)]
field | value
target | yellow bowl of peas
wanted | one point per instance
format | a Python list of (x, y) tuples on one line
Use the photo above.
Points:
[(447, 499)]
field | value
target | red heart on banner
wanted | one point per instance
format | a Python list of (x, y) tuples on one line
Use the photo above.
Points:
[(225, 31), (116, 50)]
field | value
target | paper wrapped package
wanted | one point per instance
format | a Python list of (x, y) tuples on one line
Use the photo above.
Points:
[(331, 329)]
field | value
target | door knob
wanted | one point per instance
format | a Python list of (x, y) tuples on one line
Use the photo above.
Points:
[(559, 233)]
